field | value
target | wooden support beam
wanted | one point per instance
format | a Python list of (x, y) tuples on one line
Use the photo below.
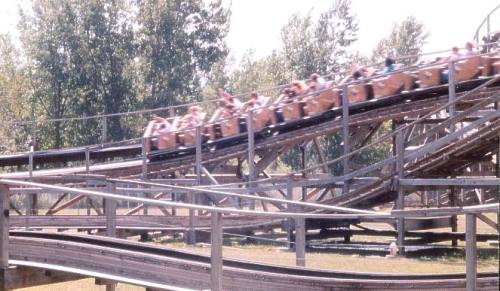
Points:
[(400, 203), (345, 138), (95, 207), (470, 252), (269, 158), (111, 212), (279, 190), (140, 206), (488, 221), (13, 207), (191, 234), (4, 235), (289, 196), (216, 252), (321, 154), (322, 160), (56, 203), (454, 221), (251, 156), (69, 203), (300, 242)]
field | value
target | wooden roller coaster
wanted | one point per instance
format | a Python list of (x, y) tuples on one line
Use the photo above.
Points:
[(444, 142)]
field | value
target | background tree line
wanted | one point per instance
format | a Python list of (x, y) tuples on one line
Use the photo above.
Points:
[(82, 58)]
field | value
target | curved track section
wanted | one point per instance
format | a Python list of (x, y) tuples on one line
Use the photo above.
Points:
[(155, 266)]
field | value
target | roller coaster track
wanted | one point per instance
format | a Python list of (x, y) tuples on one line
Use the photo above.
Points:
[(164, 162), (155, 266)]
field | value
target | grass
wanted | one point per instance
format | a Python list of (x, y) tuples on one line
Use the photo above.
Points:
[(329, 261)]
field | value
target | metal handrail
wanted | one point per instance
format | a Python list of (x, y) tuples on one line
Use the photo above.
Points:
[(486, 21)]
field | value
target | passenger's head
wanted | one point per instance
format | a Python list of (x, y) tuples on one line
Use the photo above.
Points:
[(312, 86), (297, 86), (469, 46), (314, 77), (229, 107), (194, 109), (454, 50), (254, 95), (389, 62), (356, 75)]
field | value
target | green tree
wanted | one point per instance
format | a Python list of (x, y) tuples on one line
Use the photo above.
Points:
[(324, 46), (405, 39), (180, 41), (13, 96)]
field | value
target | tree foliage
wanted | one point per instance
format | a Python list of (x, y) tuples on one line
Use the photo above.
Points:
[(405, 39), (105, 56)]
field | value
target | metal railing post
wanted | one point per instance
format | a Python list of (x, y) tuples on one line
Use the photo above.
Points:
[(451, 92), (216, 252), (251, 155), (470, 252), (345, 137)]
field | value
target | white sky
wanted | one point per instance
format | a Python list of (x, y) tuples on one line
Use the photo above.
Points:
[(256, 24)]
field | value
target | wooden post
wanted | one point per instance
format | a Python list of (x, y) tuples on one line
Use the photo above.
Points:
[(31, 165), (198, 167), (198, 155), (191, 234), (216, 252), (453, 202), (4, 235), (144, 158), (111, 212), (300, 241), (470, 251), (345, 137), (451, 91), (251, 155), (290, 222), (144, 172), (401, 193), (87, 160)]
